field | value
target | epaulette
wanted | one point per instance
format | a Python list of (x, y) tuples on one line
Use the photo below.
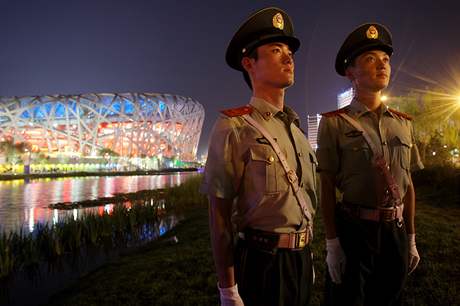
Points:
[(342, 110), (399, 114), (239, 111)]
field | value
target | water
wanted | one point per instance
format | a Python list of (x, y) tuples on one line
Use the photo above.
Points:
[(23, 204)]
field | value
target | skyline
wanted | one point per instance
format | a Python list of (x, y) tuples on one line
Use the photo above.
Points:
[(62, 47)]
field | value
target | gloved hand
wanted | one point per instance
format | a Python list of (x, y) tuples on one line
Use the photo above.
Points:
[(335, 259), (230, 296), (414, 258)]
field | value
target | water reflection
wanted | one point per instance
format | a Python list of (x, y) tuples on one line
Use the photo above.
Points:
[(24, 204)]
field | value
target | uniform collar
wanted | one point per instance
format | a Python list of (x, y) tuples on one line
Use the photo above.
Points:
[(269, 111), (358, 109)]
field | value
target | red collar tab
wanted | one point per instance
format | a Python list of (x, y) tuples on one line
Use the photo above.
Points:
[(400, 114), (335, 113), (239, 111)]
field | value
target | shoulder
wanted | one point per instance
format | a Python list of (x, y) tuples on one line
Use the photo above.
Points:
[(238, 111), (400, 114), (335, 113), (332, 118), (229, 122)]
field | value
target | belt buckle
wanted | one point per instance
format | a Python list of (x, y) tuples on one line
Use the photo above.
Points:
[(387, 214), (302, 240)]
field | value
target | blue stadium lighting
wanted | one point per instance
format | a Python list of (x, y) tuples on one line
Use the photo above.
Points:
[(162, 230), (129, 107), (162, 106), (25, 115), (60, 110)]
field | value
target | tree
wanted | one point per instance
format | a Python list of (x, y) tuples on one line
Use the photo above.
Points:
[(436, 120), (12, 150)]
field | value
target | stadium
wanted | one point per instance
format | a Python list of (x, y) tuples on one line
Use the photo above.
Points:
[(131, 128)]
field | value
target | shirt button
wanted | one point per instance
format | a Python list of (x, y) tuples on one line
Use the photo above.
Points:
[(299, 154), (271, 159), (384, 143)]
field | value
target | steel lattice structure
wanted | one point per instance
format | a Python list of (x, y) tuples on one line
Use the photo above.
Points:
[(130, 124)]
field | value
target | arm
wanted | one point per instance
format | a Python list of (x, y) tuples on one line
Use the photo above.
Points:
[(328, 203), (335, 258), (409, 197), (409, 216), (409, 208), (221, 178), (220, 212), (328, 156)]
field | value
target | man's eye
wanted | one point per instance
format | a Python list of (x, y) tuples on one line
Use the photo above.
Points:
[(276, 50), (370, 59)]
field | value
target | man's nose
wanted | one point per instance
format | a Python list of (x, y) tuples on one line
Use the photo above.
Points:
[(288, 56), (381, 63)]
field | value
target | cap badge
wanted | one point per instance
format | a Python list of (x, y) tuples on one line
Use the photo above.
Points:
[(278, 21), (372, 33)]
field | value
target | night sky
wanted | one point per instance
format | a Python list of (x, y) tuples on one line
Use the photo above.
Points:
[(178, 47)]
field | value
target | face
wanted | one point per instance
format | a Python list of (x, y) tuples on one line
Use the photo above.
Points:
[(274, 66), (371, 71)]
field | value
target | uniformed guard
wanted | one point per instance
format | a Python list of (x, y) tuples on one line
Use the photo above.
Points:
[(260, 175), (367, 150)]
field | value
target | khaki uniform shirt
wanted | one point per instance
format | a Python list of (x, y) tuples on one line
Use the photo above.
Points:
[(343, 151), (242, 166)]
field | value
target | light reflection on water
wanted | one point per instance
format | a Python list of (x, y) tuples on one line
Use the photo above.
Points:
[(23, 204)]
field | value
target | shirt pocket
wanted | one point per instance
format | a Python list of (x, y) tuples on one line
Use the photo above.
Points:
[(356, 157), (400, 147), (261, 170)]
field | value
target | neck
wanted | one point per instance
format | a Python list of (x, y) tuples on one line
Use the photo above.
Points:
[(274, 96), (372, 100)]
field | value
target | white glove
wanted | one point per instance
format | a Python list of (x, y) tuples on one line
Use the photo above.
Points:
[(335, 259), (414, 258), (230, 296)]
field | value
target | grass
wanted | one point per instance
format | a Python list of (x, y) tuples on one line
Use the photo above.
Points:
[(164, 273)]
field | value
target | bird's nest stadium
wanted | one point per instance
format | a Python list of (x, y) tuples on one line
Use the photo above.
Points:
[(126, 126)]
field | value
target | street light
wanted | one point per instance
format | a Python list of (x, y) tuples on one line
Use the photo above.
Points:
[(383, 98)]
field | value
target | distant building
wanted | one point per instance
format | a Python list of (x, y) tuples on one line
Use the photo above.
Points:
[(313, 124), (345, 98), (127, 124)]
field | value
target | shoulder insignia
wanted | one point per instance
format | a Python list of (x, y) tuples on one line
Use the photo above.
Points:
[(400, 114), (342, 110), (239, 111)]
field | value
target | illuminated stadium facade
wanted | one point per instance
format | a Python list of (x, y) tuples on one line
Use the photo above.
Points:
[(134, 125)]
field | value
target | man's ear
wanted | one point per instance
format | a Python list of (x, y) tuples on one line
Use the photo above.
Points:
[(246, 63), (349, 73)]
